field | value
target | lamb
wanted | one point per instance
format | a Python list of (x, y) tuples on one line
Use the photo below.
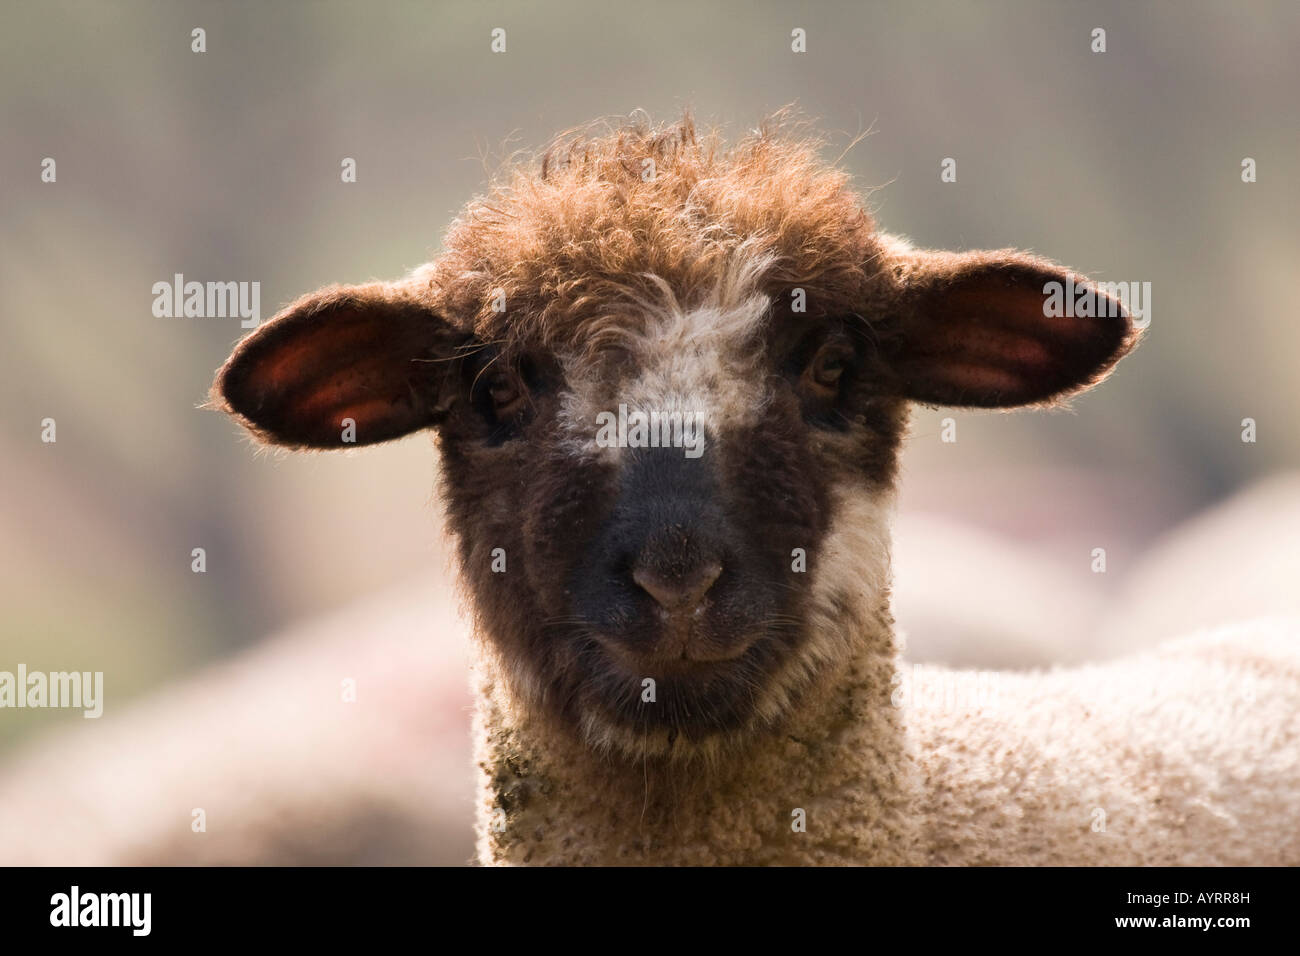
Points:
[(691, 659)]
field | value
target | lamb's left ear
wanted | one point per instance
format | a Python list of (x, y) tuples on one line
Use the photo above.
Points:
[(341, 366), (986, 329)]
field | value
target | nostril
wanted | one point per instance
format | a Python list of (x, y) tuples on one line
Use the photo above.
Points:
[(677, 592)]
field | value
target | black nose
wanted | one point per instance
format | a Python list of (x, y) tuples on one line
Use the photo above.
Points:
[(668, 539), (679, 588)]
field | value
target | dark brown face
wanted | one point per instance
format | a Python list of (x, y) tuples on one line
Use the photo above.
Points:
[(661, 591), (671, 518)]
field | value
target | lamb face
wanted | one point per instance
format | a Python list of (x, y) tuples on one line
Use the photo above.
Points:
[(743, 302), (661, 505)]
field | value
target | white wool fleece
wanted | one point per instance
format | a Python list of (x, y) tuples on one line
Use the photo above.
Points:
[(1186, 755)]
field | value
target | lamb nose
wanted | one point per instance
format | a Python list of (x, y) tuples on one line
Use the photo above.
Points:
[(678, 592)]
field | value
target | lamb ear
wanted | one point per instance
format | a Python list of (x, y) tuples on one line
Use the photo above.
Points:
[(981, 329), (374, 354)]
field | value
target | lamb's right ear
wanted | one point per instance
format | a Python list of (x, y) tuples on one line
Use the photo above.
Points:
[(975, 329), (342, 366)]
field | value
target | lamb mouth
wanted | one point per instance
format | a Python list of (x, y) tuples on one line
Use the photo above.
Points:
[(694, 678), (695, 703), (684, 661)]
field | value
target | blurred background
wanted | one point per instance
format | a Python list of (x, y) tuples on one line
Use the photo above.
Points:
[(222, 686)]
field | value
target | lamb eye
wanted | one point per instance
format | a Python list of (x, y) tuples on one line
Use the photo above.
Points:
[(822, 375), (507, 396), (827, 369)]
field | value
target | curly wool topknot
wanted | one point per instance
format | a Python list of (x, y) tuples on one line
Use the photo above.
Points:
[(572, 235)]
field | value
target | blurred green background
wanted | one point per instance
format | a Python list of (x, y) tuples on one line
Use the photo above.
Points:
[(225, 165)]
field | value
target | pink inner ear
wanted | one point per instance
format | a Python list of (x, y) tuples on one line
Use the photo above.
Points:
[(986, 341), (1018, 351), (977, 339), (344, 352), (333, 401), (967, 377), (314, 354), (368, 415), (364, 390)]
